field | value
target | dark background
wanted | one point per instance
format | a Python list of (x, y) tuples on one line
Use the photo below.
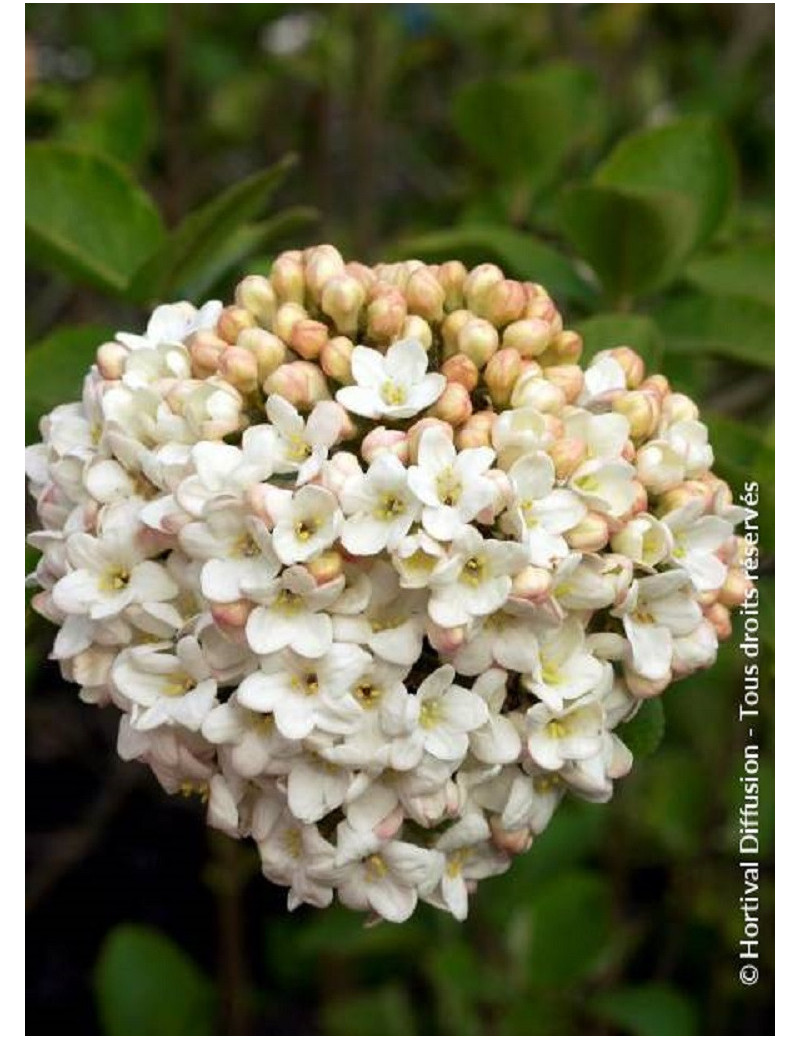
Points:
[(622, 918)]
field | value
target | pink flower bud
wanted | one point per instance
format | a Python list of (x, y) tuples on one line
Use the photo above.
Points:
[(565, 348), (453, 406), (658, 384), (342, 298), (385, 316), (530, 391), (300, 382), (335, 358), (529, 337), (503, 303), (532, 584), (641, 409), (645, 688), (326, 567), (255, 294), (734, 591), (111, 358), (445, 640), (308, 338), (514, 843), (424, 295), (477, 284), (380, 440), (478, 339), (461, 369), (568, 378), (388, 827), (239, 368), (205, 351), (451, 276), (631, 363), (286, 317), (340, 468), (476, 431), (720, 618), (266, 348), (567, 454), (287, 278), (590, 535), (419, 427), (231, 617), (231, 322), (364, 275), (417, 328), (450, 328), (502, 372), (321, 264)]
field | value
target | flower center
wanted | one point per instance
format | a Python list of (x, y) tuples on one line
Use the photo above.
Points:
[(588, 483), (245, 546), (448, 487), (287, 602), (643, 616), (375, 868), (455, 861), (298, 449), (391, 506), (305, 529), (556, 728), (392, 393), (474, 571), (188, 788), (550, 673), (367, 695), (293, 842), (115, 580), (177, 684), (430, 714)]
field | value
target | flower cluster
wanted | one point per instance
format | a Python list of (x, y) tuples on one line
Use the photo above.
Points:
[(372, 565)]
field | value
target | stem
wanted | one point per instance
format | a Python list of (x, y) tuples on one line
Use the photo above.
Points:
[(227, 878)]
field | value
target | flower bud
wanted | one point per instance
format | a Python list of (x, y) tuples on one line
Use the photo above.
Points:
[(288, 279), (424, 295), (239, 367), (476, 431), (326, 567), (645, 688), (720, 618), (679, 408), (380, 440), (529, 337), (590, 535), (335, 358), (565, 348), (387, 828), (286, 317), (417, 328), (658, 384), (502, 372), (478, 339), (503, 303), (734, 591), (503, 495), (342, 298), (232, 321), (451, 276), (532, 392), (364, 275), (453, 406), (268, 350), (450, 328), (321, 264), (514, 843), (641, 409), (256, 295), (640, 500), (300, 382), (567, 454), (342, 467), (688, 491), (532, 584), (308, 338), (477, 284), (385, 316), (460, 369), (631, 364), (231, 616), (445, 640), (205, 351), (111, 358), (568, 378), (419, 427)]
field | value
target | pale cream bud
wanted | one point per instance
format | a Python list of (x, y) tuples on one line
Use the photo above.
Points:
[(445, 640), (688, 491), (734, 591), (502, 372), (461, 369), (503, 495), (342, 467), (631, 364), (417, 328), (335, 358), (286, 317), (385, 316), (362, 274), (321, 264), (514, 843), (590, 535), (478, 339), (478, 282), (658, 384), (641, 409), (720, 618), (380, 440), (554, 427), (453, 406), (326, 567), (503, 302), (450, 328), (451, 276), (230, 616), (268, 350), (424, 295), (111, 358), (530, 391), (567, 454), (532, 584), (239, 368), (308, 338), (232, 321), (565, 348), (679, 408), (205, 350), (255, 294), (342, 298), (529, 336), (300, 382), (419, 427), (568, 378), (287, 278), (645, 688), (476, 431)]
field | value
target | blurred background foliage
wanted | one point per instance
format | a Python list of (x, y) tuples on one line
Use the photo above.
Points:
[(621, 154)]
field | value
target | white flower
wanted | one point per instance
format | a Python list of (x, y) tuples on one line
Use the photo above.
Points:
[(450, 484), (564, 671), (605, 486), (447, 714), (292, 614), (416, 558), (238, 551), (644, 540), (603, 378), (497, 741), (540, 513), (315, 787), (394, 386), (604, 435), (517, 432), (301, 446), (469, 856), (575, 734), (504, 638), (696, 539), (255, 744), (173, 323), (380, 507), (689, 439), (298, 856), (307, 524), (392, 621)]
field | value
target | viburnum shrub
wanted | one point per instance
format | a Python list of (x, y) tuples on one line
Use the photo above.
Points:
[(370, 563)]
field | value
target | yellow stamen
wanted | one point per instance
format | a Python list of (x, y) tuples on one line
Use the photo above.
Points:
[(392, 393)]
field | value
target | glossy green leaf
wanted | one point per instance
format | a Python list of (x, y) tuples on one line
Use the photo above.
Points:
[(651, 1009), (386, 1011), (746, 271), (523, 125), (730, 327), (634, 243), (644, 732), (606, 331), (147, 986), (689, 157), (519, 254), (195, 243), (117, 118), (55, 367), (570, 918), (85, 216)]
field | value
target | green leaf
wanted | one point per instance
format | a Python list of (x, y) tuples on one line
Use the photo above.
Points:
[(116, 117), (524, 125), (386, 1011), (55, 367), (571, 926), (731, 327), (606, 331), (634, 242), (745, 271), (195, 243), (645, 731), (146, 985), (86, 217), (651, 1009), (519, 254), (689, 157)]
